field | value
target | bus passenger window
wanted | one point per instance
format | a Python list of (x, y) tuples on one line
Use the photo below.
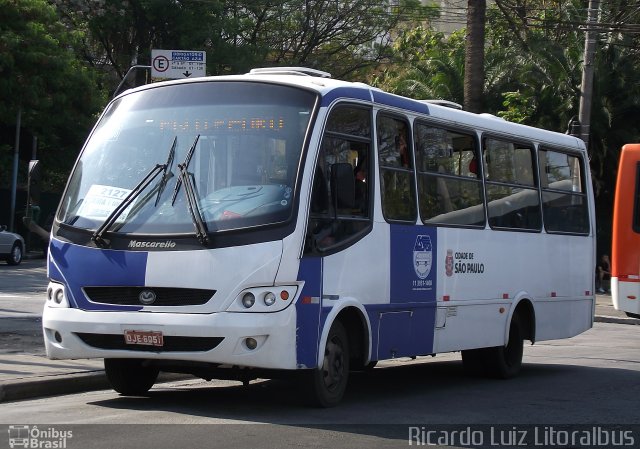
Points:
[(564, 202), (449, 184), (395, 158), (512, 195)]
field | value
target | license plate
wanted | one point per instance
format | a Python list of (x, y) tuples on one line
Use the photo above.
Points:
[(146, 338)]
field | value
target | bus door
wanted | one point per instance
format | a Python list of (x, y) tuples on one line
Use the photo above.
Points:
[(337, 262)]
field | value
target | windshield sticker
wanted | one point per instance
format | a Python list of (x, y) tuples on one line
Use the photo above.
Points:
[(101, 200)]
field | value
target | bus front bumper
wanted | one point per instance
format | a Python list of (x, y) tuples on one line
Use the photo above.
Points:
[(257, 340)]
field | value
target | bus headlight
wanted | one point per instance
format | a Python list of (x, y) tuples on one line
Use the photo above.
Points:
[(269, 299), (248, 300), (264, 299), (56, 295)]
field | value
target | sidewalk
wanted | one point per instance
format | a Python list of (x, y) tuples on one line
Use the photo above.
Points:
[(24, 376)]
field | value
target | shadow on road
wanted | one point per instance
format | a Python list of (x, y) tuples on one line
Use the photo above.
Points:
[(387, 399)]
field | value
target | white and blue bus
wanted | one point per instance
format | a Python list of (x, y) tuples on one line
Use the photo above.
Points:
[(255, 225)]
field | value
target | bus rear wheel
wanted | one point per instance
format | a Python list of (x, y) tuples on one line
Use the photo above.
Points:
[(130, 377), (328, 384), (502, 362)]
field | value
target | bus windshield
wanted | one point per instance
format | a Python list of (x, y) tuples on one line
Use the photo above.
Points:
[(237, 144)]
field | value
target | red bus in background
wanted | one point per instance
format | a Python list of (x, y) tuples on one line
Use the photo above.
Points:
[(625, 250)]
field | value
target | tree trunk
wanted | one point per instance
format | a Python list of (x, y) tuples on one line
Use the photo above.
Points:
[(474, 56)]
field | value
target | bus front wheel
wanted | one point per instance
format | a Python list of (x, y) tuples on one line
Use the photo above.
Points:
[(329, 383), (501, 362), (130, 377)]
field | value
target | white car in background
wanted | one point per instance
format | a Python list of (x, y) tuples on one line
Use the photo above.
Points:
[(11, 246)]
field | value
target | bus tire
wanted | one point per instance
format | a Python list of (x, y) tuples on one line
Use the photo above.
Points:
[(474, 361), (328, 383), (502, 362), (130, 377), (633, 315), (506, 361)]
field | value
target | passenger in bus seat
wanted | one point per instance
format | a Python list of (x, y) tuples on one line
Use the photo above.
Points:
[(401, 148), (360, 175), (473, 166)]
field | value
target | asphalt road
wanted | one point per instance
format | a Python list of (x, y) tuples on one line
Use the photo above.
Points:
[(28, 277), (22, 297), (589, 380)]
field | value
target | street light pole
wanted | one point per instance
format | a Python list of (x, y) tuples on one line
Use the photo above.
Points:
[(586, 88)]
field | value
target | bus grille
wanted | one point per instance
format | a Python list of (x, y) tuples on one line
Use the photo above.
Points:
[(171, 343), (165, 296)]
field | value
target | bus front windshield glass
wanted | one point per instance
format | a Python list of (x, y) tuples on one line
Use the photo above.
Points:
[(237, 144)]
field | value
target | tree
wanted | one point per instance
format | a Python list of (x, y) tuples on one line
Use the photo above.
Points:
[(474, 56), (122, 33), (533, 65), (428, 66), (344, 38), (40, 75)]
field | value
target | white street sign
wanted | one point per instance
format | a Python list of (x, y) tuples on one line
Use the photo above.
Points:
[(174, 64)]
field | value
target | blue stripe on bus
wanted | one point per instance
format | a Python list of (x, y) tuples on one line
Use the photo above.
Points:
[(308, 312), (79, 266), (414, 264), (380, 97), (399, 102), (359, 93), (401, 330)]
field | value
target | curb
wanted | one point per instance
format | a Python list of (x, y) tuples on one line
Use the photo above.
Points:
[(61, 384), (617, 320), (14, 390)]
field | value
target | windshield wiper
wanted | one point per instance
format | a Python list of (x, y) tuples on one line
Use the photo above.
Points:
[(186, 162), (113, 216), (167, 168), (202, 233)]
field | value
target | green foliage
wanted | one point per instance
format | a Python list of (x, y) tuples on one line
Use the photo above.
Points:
[(59, 59), (426, 66), (518, 107), (533, 68), (6, 163), (345, 38), (41, 76)]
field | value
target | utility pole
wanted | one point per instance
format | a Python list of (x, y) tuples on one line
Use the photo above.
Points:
[(14, 177), (586, 88)]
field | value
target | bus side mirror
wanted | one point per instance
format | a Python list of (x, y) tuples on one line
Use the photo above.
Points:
[(343, 186)]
